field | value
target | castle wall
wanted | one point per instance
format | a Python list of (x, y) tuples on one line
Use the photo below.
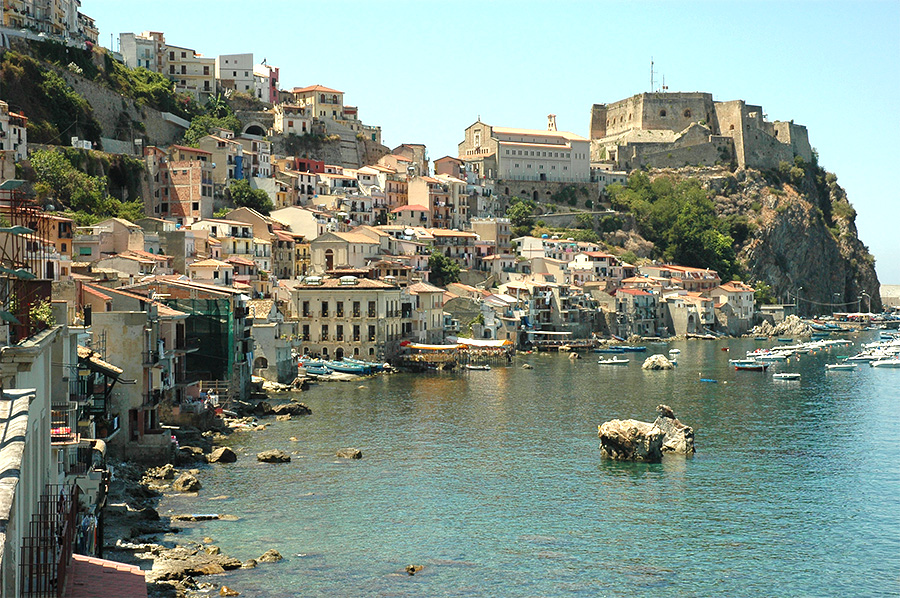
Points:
[(598, 121), (705, 154), (731, 124), (676, 111), (796, 135)]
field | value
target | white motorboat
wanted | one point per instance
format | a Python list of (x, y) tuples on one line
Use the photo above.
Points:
[(613, 361), (840, 367), (786, 376)]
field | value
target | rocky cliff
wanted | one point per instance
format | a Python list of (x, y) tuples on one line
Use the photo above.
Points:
[(796, 233)]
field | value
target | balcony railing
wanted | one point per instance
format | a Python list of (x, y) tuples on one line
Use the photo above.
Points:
[(47, 542)]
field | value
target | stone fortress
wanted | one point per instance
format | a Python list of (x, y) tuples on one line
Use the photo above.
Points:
[(672, 130)]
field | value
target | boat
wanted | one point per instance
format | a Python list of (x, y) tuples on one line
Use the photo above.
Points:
[(784, 340), (748, 364), (711, 380), (470, 366), (613, 361), (725, 348), (674, 351), (316, 369), (760, 338), (375, 367), (609, 350), (840, 366), (893, 362), (346, 367), (786, 376), (630, 349)]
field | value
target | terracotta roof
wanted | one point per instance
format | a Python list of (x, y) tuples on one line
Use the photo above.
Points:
[(92, 291), (736, 286), (410, 208), (315, 88), (240, 261), (424, 287), (209, 263), (637, 292), (538, 133), (89, 576), (335, 283), (94, 358), (195, 150)]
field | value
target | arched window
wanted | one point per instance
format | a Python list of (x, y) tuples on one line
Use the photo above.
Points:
[(334, 100), (731, 128), (662, 113), (687, 113)]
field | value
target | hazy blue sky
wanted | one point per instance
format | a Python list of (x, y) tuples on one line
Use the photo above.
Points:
[(424, 71)]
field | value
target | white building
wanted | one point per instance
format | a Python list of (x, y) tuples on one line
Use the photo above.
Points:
[(235, 72)]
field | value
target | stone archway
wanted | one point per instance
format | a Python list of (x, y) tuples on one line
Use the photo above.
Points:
[(339, 353), (255, 128)]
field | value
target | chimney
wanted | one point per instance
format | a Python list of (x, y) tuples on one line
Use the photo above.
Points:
[(551, 122)]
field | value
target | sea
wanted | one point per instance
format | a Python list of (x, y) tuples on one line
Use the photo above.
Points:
[(492, 482)]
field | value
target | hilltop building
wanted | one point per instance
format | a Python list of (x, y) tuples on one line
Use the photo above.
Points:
[(679, 129)]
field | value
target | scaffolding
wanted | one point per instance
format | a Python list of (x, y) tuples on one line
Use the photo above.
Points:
[(24, 264)]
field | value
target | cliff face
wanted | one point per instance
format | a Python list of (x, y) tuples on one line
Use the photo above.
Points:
[(801, 236)]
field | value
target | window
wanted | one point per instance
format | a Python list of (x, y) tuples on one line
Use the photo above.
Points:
[(662, 113), (195, 206), (324, 309), (216, 274), (84, 251), (687, 113), (184, 54), (63, 247)]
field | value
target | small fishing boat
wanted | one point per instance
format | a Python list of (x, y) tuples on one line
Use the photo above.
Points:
[(609, 350), (470, 366), (630, 349), (348, 368), (613, 361), (785, 340), (710, 380), (760, 338), (786, 376), (839, 367), (725, 348), (674, 351), (893, 362), (316, 369), (748, 365)]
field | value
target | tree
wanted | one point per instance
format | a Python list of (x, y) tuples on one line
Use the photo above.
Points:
[(443, 269), (520, 213), (243, 195), (201, 126)]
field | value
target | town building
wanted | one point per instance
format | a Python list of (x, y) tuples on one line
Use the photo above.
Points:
[(265, 82), (234, 72), (13, 139), (292, 119), (193, 73), (348, 316), (526, 154)]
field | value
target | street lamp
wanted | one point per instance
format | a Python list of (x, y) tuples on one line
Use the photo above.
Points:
[(798, 299), (835, 302)]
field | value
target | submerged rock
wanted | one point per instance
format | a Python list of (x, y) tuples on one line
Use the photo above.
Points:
[(350, 453), (630, 440), (292, 408), (270, 556), (222, 455), (679, 438), (187, 482), (657, 362), (273, 456), (413, 569)]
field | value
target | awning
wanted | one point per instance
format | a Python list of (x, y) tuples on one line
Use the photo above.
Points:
[(432, 347), (479, 342), (548, 333)]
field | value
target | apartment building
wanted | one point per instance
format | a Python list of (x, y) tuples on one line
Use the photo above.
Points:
[(235, 72)]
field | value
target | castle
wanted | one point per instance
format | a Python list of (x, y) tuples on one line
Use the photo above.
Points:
[(688, 129)]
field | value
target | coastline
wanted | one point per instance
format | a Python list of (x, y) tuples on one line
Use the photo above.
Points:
[(133, 527)]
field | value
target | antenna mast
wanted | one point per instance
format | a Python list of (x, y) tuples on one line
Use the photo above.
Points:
[(651, 75)]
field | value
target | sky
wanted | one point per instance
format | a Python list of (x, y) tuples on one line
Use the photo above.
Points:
[(424, 71)]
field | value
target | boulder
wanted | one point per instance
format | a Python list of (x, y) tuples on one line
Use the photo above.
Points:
[(187, 482), (527, 366), (678, 438), (249, 564), (273, 456), (573, 356), (222, 454), (270, 556), (630, 440), (413, 569), (166, 472), (186, 455), (226, 591), (283, 418), (292, 408), (350, 453), (657, 362), (263, 408)]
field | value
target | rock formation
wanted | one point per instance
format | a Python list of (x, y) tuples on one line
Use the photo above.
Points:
[(222, 455), (350, 453), (273, 456), (187, 482), (678, 438), (657, 362), (630, 440), (270, 556)]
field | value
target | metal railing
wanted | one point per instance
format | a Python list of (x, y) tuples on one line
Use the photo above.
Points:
[(47, 550)]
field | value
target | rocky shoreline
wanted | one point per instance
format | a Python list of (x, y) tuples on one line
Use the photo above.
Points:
[(133, 528)]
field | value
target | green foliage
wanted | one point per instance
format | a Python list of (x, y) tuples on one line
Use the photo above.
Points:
[(584, 221), (203, 125), (55, 111), (146, 88), (221, 213), (680, 220), (85, 195), (243, 195), (41, 314), (520, 212), (843, 210), (629, 257), (585, 236), (610, 223), (443, 269), (763, 294)]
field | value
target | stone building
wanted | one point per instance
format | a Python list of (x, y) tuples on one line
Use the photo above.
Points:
[(679, 129)]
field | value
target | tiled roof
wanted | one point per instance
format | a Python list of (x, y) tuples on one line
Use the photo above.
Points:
[(410, 208), (90, 577), (321, 88)]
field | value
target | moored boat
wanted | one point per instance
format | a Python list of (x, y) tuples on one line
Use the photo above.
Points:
[(613, 361), (748, 364), (470, 366), (786, 376), (839, 367), (893, 362), (630, 349)]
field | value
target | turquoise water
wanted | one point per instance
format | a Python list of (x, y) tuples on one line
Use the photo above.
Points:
[(493, 482)]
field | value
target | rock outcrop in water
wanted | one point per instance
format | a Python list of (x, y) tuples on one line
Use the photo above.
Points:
[(632, 440), (679, 438), (657, 362)]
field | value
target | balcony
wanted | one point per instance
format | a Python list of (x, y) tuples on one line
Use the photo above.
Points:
[(152, 398), (189, 345)]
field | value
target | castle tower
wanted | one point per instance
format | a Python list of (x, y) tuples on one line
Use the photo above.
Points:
[(551, 122)]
